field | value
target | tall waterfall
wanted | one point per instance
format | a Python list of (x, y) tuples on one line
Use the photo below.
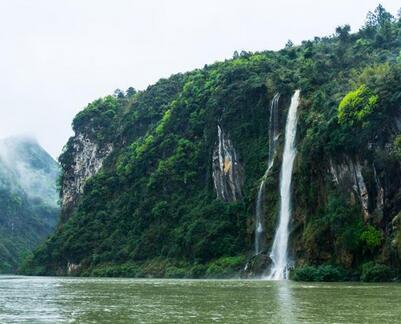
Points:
[(273, 137), (279, 252)]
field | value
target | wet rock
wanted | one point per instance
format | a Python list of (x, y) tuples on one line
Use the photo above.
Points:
[(227, 171), (72, 268), (256, 266), (396, 228)]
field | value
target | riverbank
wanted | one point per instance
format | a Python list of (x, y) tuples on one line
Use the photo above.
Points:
[(222, 268)]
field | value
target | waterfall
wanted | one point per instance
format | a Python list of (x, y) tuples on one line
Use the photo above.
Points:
[(273, 129), (279, 251), (273, 137)]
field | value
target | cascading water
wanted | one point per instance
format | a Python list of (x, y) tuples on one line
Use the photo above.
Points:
[(273, 129), (279, 269), (273, 137)]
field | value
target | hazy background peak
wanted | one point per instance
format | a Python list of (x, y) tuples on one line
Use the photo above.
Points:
[(59, 55)]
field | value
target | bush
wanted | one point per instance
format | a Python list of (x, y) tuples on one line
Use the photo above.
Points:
[(233, 262), (214, 271), (331, 273), (371, 237), (129, 270), (198, 271), (225, 267), (306, 273), (357, 106), (174, 272), (374, 272), (325, 273)]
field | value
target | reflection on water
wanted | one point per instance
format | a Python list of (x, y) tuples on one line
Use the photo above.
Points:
[(286, 306), (90, 300)]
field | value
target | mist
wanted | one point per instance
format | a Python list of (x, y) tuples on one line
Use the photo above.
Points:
[(26, 168)]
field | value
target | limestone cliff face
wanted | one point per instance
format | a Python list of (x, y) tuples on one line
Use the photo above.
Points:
[(153, 175), (227, 171), (87, 159), (348, 174)]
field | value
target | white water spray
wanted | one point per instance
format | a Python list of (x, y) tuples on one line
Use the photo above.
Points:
[(273, 137), (279, 252)]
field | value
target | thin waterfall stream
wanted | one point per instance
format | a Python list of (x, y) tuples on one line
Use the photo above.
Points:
[(273, 137), (279, 251)]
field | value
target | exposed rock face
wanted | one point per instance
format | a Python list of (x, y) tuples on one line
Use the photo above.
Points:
[(257, 266), (88, 157), (349, 175), (380, 193), (72, 268), (396, 228), (227, 171)]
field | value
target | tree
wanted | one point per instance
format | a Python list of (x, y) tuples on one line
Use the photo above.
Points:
[(130, 92), (289, 44), (379, 17), (356, 107), (343, 32), (118, 93)]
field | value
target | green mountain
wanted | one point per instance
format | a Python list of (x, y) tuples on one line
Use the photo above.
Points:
[(28, 199), (164, 182)]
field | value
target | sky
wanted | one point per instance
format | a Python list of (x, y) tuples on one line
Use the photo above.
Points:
[(56, 56)]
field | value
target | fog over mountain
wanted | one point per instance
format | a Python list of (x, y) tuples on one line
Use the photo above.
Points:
[(28, 198)]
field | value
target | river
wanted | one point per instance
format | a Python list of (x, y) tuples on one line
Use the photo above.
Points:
[(108, 300)]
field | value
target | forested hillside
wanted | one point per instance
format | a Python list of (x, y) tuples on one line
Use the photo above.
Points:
[(28, 199), (163, 182)]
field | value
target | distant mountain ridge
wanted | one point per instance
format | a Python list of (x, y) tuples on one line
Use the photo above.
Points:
[(28, 198)]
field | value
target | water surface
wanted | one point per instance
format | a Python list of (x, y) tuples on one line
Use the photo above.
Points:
[(98, 300)]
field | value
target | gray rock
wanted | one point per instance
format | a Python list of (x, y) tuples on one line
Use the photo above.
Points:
[(257, 266)]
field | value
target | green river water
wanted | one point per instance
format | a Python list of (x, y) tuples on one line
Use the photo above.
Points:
[(107, 300)]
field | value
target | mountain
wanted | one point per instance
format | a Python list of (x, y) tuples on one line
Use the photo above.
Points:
[(28, 199), (167, 182)]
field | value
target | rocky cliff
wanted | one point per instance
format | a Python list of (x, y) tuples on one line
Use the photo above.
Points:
[(88, 157), (163, 182)]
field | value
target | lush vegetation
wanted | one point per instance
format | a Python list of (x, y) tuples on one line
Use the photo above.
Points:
[(320, 273), (152, 209)]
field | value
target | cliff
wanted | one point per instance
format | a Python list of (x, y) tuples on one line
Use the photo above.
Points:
[(163, 182)]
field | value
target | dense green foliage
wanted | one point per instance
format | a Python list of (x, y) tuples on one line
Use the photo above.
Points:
[(372, 272), (153, 203), (320, 273), (23, 225), (356, 107)]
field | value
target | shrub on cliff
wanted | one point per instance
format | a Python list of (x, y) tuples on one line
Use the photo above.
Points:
[(323, 273), (375, 272)]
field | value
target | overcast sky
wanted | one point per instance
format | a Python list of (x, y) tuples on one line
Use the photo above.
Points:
[(58, 55)]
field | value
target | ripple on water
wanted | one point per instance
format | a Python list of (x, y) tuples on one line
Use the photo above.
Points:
[(102, 300)]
